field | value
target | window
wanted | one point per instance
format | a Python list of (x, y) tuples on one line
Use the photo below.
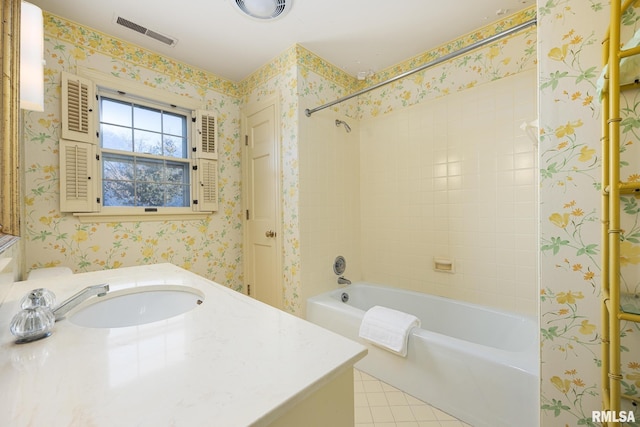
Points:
[(142, 156)]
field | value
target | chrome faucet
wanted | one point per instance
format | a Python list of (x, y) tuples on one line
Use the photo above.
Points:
[(343, 281), (65, 306)]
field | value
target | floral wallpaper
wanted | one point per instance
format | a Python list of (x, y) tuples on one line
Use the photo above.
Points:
[(279, 78), (210, 247), (300, 79), (565, 46), (570, 35), (506, 57)]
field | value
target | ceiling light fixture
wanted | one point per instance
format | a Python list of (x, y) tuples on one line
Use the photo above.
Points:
[(264, 10)]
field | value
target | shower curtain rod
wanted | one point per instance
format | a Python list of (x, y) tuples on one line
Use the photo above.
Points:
[(308, 112)]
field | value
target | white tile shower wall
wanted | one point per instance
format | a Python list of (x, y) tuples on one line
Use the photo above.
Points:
[(329, 200), (454, 177)]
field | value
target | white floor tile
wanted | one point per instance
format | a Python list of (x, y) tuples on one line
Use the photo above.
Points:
[(388, 388), (363, 415), (360, 399), (402, 413), (429, 424), (377, 399), (381, 414), (423, 412), (367, 377), (443, 416), (378, 404), (412, 400), (372, 386), (396, 398)]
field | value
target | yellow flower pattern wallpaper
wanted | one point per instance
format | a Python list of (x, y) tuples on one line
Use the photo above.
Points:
[(570, 36), (279, 78), (211, 247), (565, 47)]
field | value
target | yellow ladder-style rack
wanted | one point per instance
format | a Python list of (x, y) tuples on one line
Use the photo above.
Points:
[(612, 314)]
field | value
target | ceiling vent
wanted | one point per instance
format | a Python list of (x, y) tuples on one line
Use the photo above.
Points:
[(147, 32), (264, 10)]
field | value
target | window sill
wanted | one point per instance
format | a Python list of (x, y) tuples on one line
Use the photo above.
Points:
[(94, 217)]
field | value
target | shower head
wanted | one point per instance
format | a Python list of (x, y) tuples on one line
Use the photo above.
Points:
[(343, 123)]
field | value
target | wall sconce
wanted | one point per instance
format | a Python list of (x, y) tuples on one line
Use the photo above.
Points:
[(31, 58)]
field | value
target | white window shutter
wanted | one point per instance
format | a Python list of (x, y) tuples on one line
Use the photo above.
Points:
[(78, 106), (206, 141), (78, 180), (206, 183)]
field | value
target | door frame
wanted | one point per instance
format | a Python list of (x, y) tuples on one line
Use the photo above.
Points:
[(246, 112)]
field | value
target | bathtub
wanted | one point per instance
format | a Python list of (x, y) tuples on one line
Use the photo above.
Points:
[(476, 363)]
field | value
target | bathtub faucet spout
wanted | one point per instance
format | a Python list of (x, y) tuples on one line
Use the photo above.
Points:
[(343, 281)]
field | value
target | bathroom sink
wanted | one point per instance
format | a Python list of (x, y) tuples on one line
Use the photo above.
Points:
[(136, 306)]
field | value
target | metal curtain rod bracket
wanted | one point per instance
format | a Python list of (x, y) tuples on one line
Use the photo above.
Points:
[(308, 112)]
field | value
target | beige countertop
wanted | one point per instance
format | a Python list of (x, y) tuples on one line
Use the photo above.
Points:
[(231, 361)]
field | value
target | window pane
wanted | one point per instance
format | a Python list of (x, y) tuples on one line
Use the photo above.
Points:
[(117, 193), (133, 180), (117, 168), (115, 112), (175, 147), (174, 124), (116, 137), (147, 118), (147, 142), (177, 195), (149, 194), (149, 171), (177, 173)]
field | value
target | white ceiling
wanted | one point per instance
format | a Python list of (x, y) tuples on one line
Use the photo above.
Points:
[(355, 35)]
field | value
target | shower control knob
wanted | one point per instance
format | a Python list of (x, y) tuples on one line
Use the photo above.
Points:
[(270, 233)]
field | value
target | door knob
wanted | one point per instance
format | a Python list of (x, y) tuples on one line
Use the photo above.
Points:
[(270, 233)]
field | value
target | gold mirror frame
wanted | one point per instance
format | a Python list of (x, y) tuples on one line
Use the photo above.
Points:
[(10, 118)]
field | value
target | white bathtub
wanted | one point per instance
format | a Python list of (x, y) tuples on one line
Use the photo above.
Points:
[(476, 363)]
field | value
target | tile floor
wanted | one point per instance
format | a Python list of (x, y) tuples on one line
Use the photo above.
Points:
[(378, 404)]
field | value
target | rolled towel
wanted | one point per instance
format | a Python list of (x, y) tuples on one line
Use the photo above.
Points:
[(629, 67), (388, 328)]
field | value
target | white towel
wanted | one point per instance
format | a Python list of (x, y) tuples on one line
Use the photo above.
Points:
[(629, 66), (388, 328)]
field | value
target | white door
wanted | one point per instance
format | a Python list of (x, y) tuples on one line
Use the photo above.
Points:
[(262, 265)]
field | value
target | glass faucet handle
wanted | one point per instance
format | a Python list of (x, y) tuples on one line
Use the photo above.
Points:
[(32, 324), (40, 297)]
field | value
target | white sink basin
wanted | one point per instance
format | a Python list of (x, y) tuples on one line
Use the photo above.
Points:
[(136, 306)]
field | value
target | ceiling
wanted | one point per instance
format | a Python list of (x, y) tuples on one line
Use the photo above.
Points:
[(354, 35)]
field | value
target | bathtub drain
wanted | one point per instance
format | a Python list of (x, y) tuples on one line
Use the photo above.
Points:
[(344, 297)]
